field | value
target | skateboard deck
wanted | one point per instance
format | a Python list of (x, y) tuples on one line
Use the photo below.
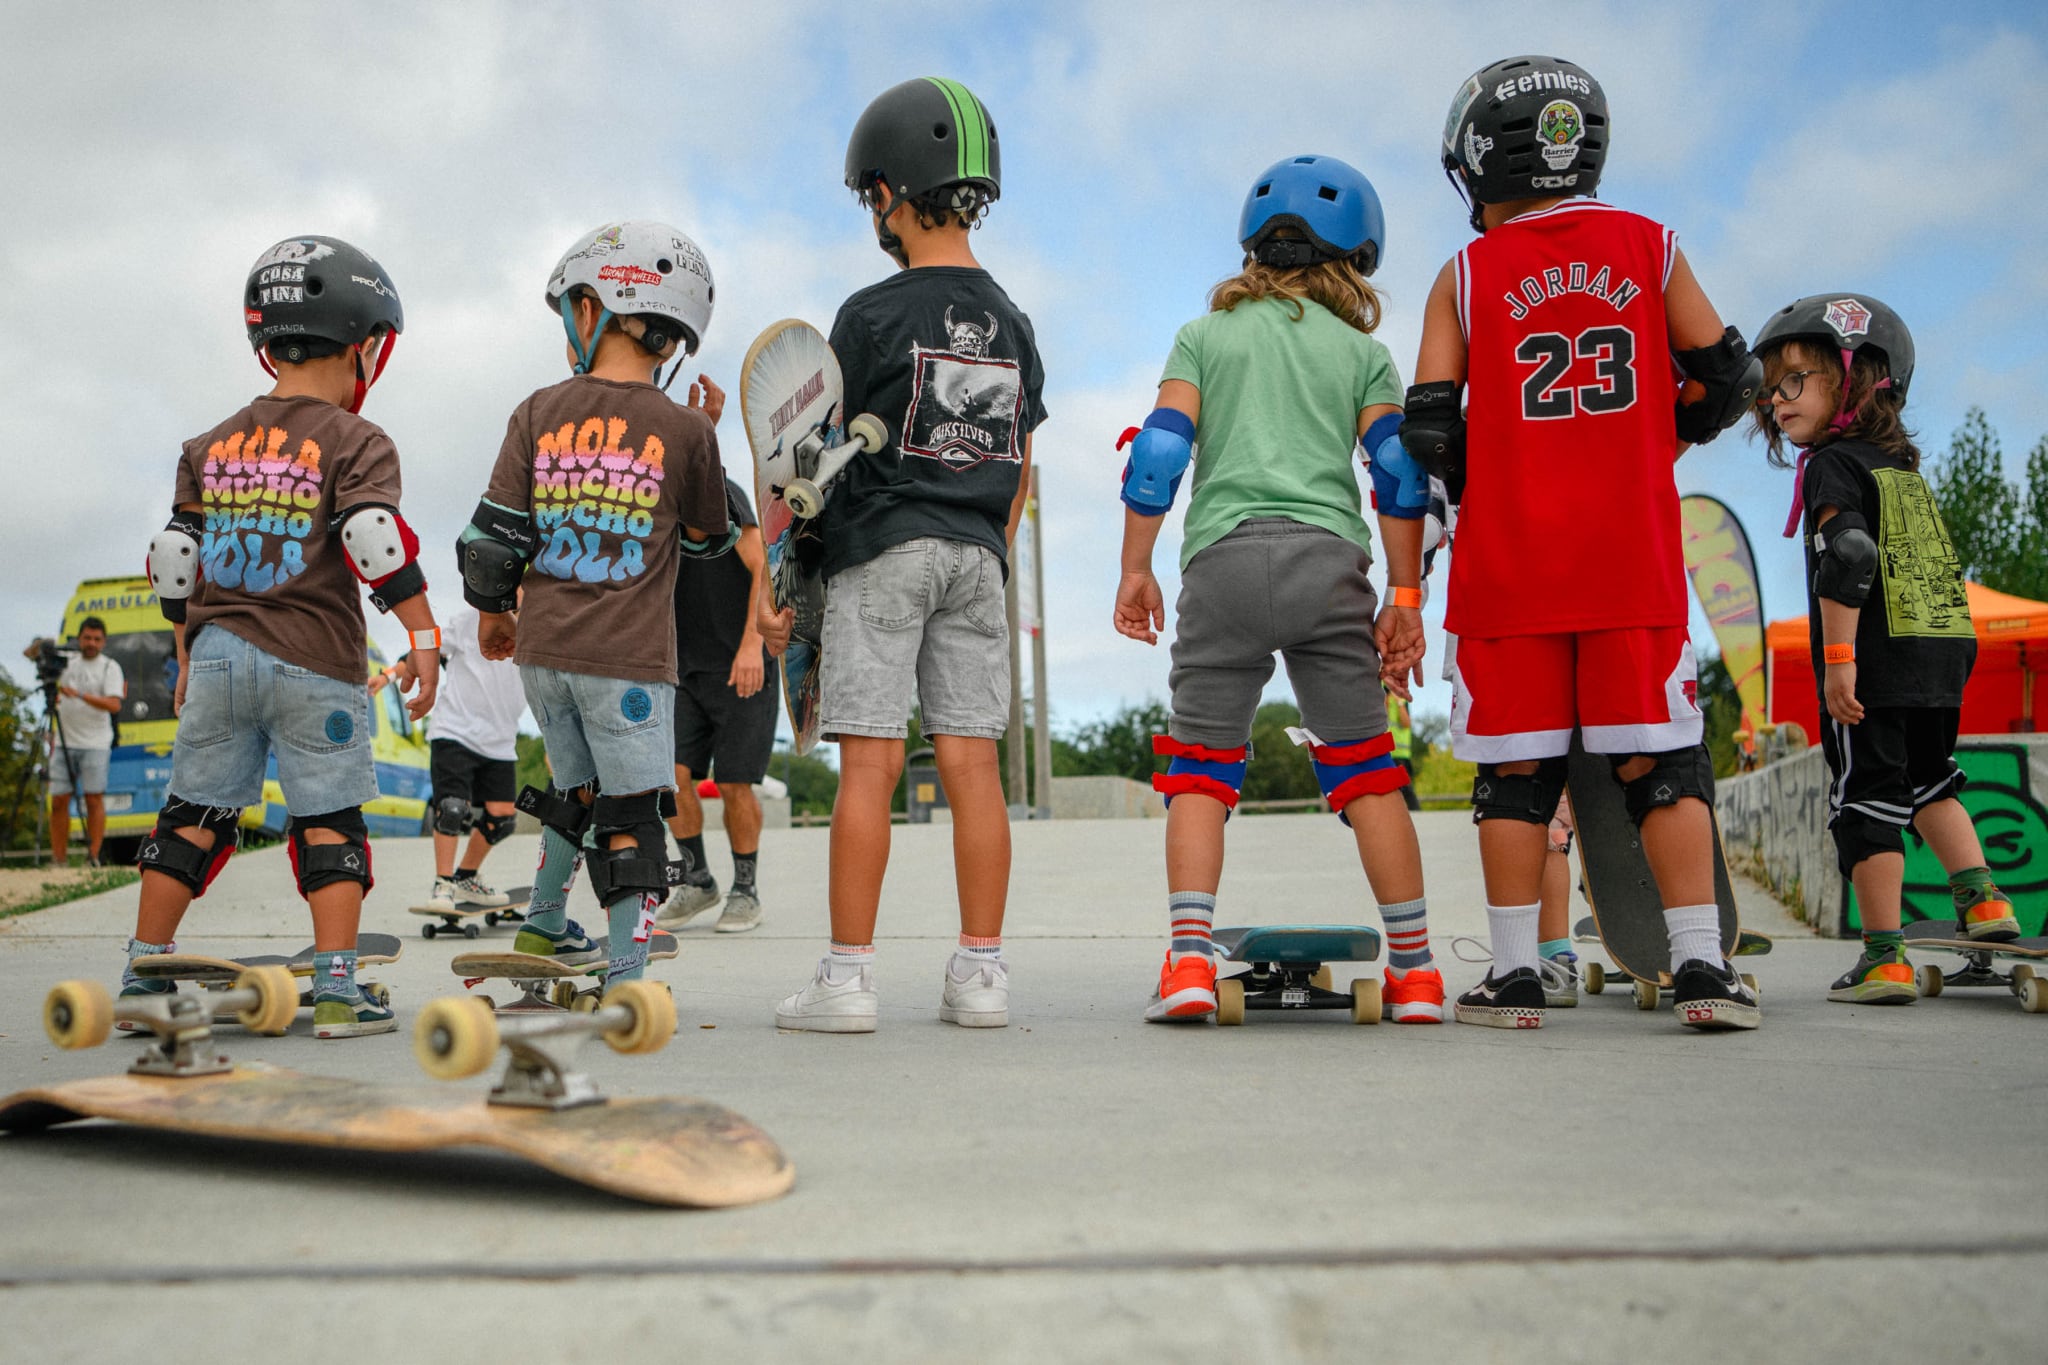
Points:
[(1628, 914), (461, 920), (532, 973), (1288, 970), (1940, 935), (371, 950), (792, 399)]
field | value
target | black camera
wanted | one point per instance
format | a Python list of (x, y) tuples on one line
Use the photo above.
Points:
[(51, 661)]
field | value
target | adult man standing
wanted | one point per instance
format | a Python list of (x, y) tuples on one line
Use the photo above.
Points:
[(725, 718), (90, 693)]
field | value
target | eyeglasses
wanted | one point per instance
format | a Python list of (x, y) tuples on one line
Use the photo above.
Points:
[(1790, 387)]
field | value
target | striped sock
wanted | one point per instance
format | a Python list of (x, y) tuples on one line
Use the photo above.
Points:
[(990, 948), (1695, 934), (843, 960), (1553, 947), (548, 910), (1513, 930), (1407, 934), (1190, 915), (137, 948)]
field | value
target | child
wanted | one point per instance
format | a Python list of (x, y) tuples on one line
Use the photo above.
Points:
[(1567, 318), (1836, 368), (602, 481), (915, 541), (275, 508), (1277, 384)]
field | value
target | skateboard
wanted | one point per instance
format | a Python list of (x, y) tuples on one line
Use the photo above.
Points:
[(545, 985), (2022, 981), (791, 396), (668, 1150), (1595, 975), (1288, 970), (1614, 870), (462, 919), (218, 973)]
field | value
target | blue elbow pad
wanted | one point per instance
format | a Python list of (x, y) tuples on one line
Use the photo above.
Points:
[(1400, 486), (1160, 454)]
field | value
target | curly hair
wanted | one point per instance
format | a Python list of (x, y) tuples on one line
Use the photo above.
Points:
[(1880, 413), (1336, 285)]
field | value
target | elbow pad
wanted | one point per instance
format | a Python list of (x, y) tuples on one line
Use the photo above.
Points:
[(1433, 431), (1400, 487), (494, 550), (1845, 560), (173, 564), (1160, 454), (383, 552), (1732, 378)]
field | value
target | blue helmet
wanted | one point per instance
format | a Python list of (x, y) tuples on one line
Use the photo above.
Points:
[(1327, 201)]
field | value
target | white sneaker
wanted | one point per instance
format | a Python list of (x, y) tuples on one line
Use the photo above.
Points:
[(685, 903), (977, 993), (742, 912), (442, 897), (827, 1006), (473, 892)]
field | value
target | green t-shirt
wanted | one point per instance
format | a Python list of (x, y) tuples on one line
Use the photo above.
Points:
[(1280, 405)]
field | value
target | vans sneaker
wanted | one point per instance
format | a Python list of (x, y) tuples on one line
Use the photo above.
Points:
[(1187, 990), (1416, 997), (1710, 995), (443, 896), (977, 992), (1560, 977), (472, 891), (686, 902), (828, 1006), (336, 1015), (142, 986), (1511, 1001), (1883, 980), (742, 912), (572, 947)]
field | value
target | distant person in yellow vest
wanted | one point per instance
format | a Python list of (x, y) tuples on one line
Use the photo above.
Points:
[(1404, 744)]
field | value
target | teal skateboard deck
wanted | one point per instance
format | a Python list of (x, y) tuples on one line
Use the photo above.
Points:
[(1288, 970)]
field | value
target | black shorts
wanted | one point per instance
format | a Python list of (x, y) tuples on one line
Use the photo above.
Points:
[(722, 735), (463, 773), (1887, 768)]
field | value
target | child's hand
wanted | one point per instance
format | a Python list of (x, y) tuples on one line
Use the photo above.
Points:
[(426, 671), (1397, 634), (497, 634), (747, 672), (775, 627), (1140, 609), (708, 396), (1840, 690)]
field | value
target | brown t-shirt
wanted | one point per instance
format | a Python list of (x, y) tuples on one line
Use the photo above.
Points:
[(275, 480), (611, 473)]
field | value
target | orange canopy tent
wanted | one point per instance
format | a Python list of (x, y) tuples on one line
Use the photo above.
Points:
[(2008, 689)]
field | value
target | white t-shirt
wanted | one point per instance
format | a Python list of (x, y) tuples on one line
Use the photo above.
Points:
[(88, 727), (481, 700)]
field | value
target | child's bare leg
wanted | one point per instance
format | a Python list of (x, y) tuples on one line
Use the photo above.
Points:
[(981, 831), (1553, 921), (164, 898), (1946, 827), (1981, 908), (1194, 843), (869, 769), (1387, 846), (337, 907), (1878, 880)]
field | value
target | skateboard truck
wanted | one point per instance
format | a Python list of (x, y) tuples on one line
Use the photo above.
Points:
[(805, 493), (457, 1036), (79, 1014)]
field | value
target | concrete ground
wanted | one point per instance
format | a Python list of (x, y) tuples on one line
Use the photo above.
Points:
[(1079, 1186)]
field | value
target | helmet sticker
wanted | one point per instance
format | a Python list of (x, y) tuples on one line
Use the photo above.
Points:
[(1476, 147), (1459, 105), (295, 250), (1848, 317), (1559, 128)]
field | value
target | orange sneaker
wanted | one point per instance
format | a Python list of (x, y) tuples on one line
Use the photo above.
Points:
[(1415, 997), (1989, 917), (1187, 991)]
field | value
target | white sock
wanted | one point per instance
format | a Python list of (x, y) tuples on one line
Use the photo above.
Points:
[(1695, 932), (1513, 928), (844, 960)]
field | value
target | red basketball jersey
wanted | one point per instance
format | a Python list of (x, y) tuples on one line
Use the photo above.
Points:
[(1570, 520)]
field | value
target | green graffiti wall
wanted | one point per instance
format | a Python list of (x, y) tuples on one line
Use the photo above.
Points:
[(2011, 824)]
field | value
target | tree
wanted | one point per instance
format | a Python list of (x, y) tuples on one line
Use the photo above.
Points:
[(1120, 745), (1430, 728), (2027, 576), (1279, 769), (812, 783), (533, 761), (21, 753), (1980, 509)]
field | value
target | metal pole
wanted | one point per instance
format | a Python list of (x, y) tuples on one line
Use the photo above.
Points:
[(1041, 786), (1016, 736)]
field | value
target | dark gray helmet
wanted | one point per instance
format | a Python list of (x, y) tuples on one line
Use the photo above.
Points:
[(1526, 128), (1848, 322), (319, 288), (921, 136)]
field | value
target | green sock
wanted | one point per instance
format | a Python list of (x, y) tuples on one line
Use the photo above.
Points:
[(1971, 885), (1553, 947), (1879, 944)]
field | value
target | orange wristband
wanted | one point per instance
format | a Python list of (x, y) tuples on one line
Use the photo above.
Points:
[(430, 638), (1838, 654), (1405, 597)]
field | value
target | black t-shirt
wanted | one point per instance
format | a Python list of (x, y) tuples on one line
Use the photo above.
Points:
[(714, 600), (948, 363), (1914, 641)]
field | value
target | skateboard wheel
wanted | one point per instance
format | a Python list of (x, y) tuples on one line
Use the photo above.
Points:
[(1931, 980), (455, 1036), (1595, 977), (562, 994), (489, 1002), (803, 497), (584, 1002), (2034, 995), (1646, 995), (470, 931), (651, 1018), (869, 431), (427, 931), (1323, 980), (2022, 973), (491, 918), (378, 992), (277, 1000), (78, 1014), (1230, 1001), (1365, 1000)]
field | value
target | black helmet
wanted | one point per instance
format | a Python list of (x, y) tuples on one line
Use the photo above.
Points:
[(921, 136), (1848, 322), (319, 290), (1526, 128)]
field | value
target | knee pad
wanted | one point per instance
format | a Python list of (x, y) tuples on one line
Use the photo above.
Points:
[(1528, 797), (175, 856), (496, 828), (1349, 770), (642, 868), (318, 865), (452, 815), (1198, 768), (1676, 774), (559, 810)]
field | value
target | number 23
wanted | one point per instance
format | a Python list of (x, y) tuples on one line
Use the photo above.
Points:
[(1613, 351)]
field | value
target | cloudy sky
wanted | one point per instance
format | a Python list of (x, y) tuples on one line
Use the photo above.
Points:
[(152, 150)]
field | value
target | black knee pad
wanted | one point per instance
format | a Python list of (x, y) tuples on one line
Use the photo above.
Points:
[(497, 828), (642, 868), (1528, 797), (1674, 775), (178, 857), (452, 815), (1858, 836), (559, 810), (318, 865)]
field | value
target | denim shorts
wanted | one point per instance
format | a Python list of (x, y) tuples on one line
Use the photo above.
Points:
[(92, 771), (243, 704), (614, 730), (921, 620)]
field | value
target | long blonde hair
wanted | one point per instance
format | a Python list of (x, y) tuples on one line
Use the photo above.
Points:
[(1336, 285)]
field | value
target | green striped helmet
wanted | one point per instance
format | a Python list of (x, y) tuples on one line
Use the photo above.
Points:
[(924, 135)]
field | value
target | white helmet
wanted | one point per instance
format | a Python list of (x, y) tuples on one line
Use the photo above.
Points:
[(644, 270)]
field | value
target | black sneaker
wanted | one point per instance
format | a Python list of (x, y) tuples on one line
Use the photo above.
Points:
[(1710, 995), (1511, 1001)]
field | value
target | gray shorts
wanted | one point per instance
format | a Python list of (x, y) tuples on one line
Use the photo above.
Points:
[(92, 771), (1276, 585), (920, 620), (615, 731)]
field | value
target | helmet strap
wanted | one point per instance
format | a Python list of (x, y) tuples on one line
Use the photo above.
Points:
[(1845, 416), (1472, 206), (584, 354), (890, 242), (364, 384)]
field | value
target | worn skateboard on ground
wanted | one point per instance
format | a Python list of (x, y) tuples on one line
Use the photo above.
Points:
[(1288, 970), (792, 399), (1596, 975), (1978, 955), (548, 986), (218, 973), (462, 919), (667, 1150), (1628, 912)]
